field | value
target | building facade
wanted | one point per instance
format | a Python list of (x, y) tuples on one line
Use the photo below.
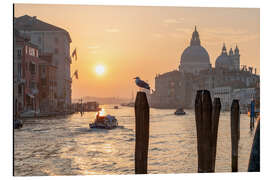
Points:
[(56, 41), (244, 95), (47, 85), (30, 62), (18, 81), (225, 95)]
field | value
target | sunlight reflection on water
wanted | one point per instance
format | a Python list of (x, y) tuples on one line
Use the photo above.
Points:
[(66, 145)]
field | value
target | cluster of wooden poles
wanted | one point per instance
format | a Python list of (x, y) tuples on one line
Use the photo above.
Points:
[(207, 119)]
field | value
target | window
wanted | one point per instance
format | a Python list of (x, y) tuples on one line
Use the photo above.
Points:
[(39, 40), (20, 89), (25, 49), (19, 52), (44, 95), (32, 85), (56, 50), (27, 66), (19, 70), (36, 53), (31, 51), (56, 40), (43, 82), (32, 68)]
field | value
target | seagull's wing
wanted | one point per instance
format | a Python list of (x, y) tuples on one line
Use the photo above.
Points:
[(144, 84)]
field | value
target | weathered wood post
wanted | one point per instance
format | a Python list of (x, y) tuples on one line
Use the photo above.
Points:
[(254, 159), (235, 133), (206, 125), (142, 133), (215, 122)]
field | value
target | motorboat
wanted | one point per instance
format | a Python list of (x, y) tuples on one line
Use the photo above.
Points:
[(104, 122), (115, 107), (29, 114), (130, 104), (18, 124), (180, 111)]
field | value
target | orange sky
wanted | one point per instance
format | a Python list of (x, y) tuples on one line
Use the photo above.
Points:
[(142, 41)]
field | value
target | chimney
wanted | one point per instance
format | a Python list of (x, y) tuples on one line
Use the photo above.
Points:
[(34, 19)]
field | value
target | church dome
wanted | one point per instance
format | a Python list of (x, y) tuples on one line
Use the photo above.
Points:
[(224, 60), (195, 57), (195, 54)]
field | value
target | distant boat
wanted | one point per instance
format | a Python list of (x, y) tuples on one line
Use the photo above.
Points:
[(104, 122), (115, 107), (180, 111), (130, 104)]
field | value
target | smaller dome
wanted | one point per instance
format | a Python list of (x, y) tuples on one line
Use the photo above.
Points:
[(223, 61)]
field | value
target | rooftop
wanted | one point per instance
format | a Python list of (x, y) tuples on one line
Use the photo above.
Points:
[(29, 23)]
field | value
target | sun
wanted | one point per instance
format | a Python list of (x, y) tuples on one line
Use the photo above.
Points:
[(100, 69)]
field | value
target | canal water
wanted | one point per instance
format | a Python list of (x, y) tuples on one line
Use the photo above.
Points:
[(66, 145)]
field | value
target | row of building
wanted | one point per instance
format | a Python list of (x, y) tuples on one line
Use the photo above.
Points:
[(41, 72), (228, 80)]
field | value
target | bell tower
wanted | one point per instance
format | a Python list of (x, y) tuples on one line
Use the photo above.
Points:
[(236, 58), (224, 50)]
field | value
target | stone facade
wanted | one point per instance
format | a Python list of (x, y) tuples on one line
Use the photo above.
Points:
[(56, 41), (225, 95), (18, 81), (47, 85)]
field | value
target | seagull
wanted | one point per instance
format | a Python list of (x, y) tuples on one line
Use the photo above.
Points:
[(141, 83)]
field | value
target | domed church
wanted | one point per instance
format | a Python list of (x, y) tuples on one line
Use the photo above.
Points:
[(178, 88), (195, 57), (229, 62)]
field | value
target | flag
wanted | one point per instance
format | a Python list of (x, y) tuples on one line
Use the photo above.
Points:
[(74, 53), (76, 74)]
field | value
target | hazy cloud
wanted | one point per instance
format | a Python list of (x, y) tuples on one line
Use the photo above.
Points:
[(93, 47), (177, 35), (173, 21), (224, 34), (185, 31), (112, 30), (93, 52), (157, 35)]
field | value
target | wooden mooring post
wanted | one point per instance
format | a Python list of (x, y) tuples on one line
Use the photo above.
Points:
[(235, 133), (142, 133), (207, 119), (215, 122)]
